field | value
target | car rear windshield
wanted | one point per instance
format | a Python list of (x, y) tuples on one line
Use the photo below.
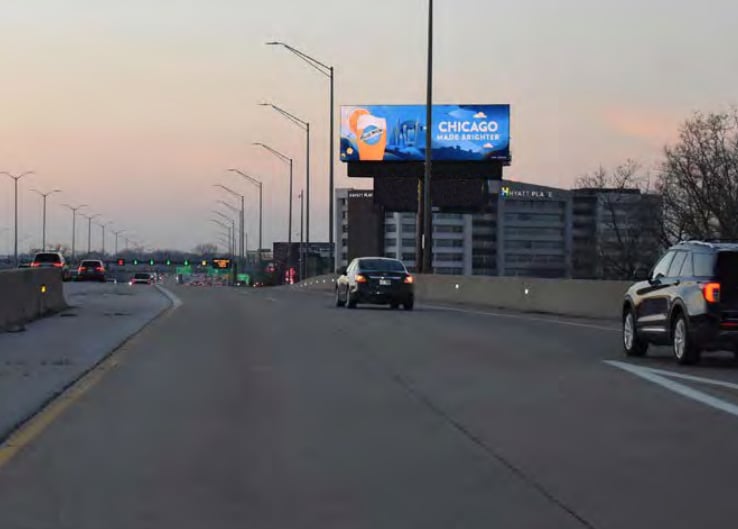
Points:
[(47, 258), (91, 264), (381, 265), (142, 276)]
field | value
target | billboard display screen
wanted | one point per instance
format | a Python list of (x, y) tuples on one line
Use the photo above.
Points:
[(463, 133)]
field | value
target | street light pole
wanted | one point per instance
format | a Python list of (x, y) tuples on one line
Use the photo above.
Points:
[(74, 210), (43, 229), (329, 72), (233, 229), (258, 184), (428, 207), (242, 215), (16, 178), (103, 225), (89, 218), (306, 127), (302, 248), (287, 159), (117, 234)]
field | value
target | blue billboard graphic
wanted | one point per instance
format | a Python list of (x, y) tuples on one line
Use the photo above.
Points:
[(374, 133)]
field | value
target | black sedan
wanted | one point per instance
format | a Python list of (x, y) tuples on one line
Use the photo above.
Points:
[(377, 281)]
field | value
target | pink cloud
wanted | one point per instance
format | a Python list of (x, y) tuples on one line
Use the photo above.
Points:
[(648, 125)]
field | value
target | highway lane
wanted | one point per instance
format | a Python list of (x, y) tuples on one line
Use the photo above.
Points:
[(271, 408)]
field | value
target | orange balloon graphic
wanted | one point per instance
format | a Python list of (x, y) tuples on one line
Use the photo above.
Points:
[(354, 119)]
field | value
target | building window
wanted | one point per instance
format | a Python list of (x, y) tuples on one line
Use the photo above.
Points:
[(344, 228), (448, 243), (450, 257), (344, 214), (390, 242), (408, 227), (390, 228), (408, 242), (408, 256), (448, 229)]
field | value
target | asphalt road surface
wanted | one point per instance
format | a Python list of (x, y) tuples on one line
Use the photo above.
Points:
[(274, 409)]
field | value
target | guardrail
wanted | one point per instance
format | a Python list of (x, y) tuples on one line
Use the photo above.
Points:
[(26, 295), (569, 297)]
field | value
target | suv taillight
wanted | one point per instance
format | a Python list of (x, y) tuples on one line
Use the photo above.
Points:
[(35, 264), (711, 292), (58, 265)]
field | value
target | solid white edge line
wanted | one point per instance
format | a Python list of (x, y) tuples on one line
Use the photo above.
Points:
[(176, 302), (680, 389)]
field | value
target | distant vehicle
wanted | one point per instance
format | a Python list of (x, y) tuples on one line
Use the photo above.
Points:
[(375, 280), (142, 278), (52, 260), (91, 270), (689, 301)]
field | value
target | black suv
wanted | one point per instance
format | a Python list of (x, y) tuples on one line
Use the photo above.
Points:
[(690, 302)]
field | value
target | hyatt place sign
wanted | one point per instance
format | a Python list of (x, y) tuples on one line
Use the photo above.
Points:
[(508, 192)]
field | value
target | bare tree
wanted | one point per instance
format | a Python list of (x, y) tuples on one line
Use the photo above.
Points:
[(629, 220), (205, 249), (699, 179)]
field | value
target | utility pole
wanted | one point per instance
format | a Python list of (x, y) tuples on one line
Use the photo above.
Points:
[(74, 210), (43, 229)]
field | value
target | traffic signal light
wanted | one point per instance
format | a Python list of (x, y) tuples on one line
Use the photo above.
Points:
[(135, 262), (187, 262), (204, 263), (121, 262), (151, 262), (169, 262)]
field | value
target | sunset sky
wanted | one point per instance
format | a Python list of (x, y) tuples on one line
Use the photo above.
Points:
[(138, 107)]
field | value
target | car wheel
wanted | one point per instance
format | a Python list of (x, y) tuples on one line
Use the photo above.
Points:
[(632, 344), (350, 301), (683, 347), (339, 302), (409, 305), (394, 306)]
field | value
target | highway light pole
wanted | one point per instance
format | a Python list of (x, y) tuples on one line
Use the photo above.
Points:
[(258, 184), (306, 127), (103, 225), (287, 159), (233, 228), (329, 73), (117, 234), (237, 212), (43, 229), (227, 228), (74, 210), (89, 218), (242, 215), (302, 246), (16, 178), (427, 209)]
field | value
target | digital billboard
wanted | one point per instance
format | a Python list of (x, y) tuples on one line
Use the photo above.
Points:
[(392, 133)]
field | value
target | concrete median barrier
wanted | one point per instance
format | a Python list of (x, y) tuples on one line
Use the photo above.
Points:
[(26, 295), (569, 297)]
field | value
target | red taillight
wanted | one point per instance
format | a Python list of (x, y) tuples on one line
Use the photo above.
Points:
[(99, 269), (35, 264), (361, 278), (57, 265), (711, 292), (81, 269), (409, 280)]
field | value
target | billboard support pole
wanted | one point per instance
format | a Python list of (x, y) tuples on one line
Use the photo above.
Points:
[(427, 212)]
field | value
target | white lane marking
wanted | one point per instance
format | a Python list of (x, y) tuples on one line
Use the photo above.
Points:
[(522, 317), (176, 302), (273, 300), (657, 377), (709, 381)]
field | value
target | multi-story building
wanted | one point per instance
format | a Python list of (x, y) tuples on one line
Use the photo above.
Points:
[(616, 232), (524, 230)]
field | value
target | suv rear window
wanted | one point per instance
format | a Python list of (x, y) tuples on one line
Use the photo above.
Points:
[(91, 264), (47, 258), (142, 276)]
